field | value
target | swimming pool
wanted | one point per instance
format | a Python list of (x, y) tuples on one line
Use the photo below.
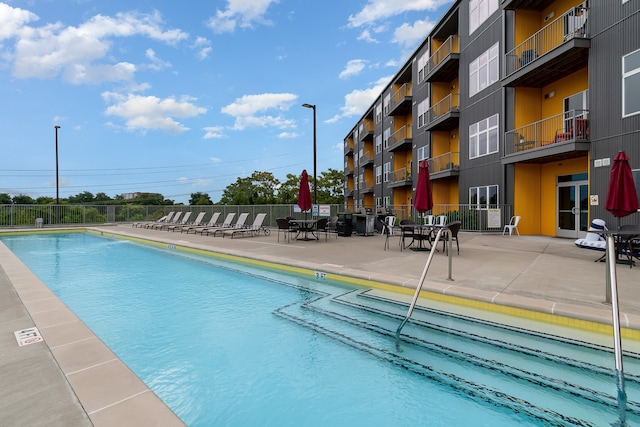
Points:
[(225, 347)]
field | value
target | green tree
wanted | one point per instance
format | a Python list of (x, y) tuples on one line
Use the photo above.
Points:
[(5, 199), (45, 200), (200, 199), (81, 198), (102, 197), (288, 190), (257, 189), (23, 199), (331, 187)]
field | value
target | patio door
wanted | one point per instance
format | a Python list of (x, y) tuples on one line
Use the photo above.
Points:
[(572, 203)]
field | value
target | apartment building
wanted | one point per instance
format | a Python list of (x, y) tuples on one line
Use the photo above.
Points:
[(519, 105)]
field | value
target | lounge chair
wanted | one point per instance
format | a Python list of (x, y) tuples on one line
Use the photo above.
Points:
[(226, 224), (238, 225), (252, 230), (197, 222), (213, 222), (185, 221), (146, 224), (160, 226)]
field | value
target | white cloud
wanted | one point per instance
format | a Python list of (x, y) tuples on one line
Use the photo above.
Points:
[(240, 12), (214, 132), (365, 35), (357, 102), (203, 48), (82, 54), (12, 20), (288, 135), (149, 112), (246, 110), (353, 68), (376, 10), (410, 35), (156, 64)]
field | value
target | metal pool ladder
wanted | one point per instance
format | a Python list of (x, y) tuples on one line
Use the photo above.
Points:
[(422, 277)]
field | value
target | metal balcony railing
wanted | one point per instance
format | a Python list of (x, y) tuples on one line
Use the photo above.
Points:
[(571, 24), (446, 105), (401, 134), (570, 126), (365, 129), (444, 162), (449, 46), (400, 94), (399, 175)]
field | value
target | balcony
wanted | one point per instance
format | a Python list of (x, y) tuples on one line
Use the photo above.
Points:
[(445, 114), (365, 186), (401, 101), (557, 50), (366, 159), (348, 169), (401, 140), (443, 64), (366, 131), (348, 147), (399, 178), (558, 137), (444, 166)]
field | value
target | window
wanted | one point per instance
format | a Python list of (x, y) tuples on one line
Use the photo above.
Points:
[(378, 202), (483, 197), (483, 137), (387, 170), (423, 109), (479, 11), (385, 138), (378, 174), (631, 84), (483, 71), (378, 144), (378, 113), (387, 200), (422, 66), (387, 102), (423, 153)]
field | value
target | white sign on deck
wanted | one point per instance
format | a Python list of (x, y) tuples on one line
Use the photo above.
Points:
[(28, 336)]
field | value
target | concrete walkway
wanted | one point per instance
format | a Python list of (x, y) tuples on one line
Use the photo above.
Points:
[(50, 383)]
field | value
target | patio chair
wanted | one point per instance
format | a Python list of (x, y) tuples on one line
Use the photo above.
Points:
[(160, 226), (512, 226), (242, 218), (332, 226), (213, 221), (408, 231), (284, 226), (197, 222), (185, 221), (452, 228), (252, 230), (228, 220), (321, 227)]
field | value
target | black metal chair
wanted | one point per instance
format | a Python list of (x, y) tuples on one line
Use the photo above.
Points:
[(284, 226), (452, 228), (321, 227), (407, 228)]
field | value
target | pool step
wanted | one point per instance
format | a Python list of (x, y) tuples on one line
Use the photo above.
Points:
[(438, 347)]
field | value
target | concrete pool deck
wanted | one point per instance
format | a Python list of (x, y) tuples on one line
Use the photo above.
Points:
[(73, 379)]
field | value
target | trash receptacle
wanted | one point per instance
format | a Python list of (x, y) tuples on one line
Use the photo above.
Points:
[(344, 224)]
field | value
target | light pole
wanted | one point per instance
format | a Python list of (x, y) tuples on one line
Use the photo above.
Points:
[(315, 182), (57, 187)]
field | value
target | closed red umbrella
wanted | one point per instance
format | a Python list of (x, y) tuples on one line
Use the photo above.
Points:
[(304, 194), (622, 199), (424, 198)]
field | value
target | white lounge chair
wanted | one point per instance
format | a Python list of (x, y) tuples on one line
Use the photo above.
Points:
[(197, 222), (238, 225), (160, 226), (185, 221), (146, 224), (213, 222), (252, 230), (225, 224)]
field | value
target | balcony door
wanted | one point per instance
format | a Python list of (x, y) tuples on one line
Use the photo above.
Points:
[(572, 203), (575, 106)]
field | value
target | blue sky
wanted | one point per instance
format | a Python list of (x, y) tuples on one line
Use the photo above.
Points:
[(182, 97)]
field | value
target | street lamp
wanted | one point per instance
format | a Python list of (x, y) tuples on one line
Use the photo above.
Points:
[(315, 182), (57, 188)]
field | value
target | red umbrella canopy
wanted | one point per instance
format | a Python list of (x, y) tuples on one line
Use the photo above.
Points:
[(304, 194), (622, 199), (424, 197)]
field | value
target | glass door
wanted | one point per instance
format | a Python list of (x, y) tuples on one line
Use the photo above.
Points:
[(572, 205)]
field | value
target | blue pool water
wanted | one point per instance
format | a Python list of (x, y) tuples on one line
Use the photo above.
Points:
[(224, 344)]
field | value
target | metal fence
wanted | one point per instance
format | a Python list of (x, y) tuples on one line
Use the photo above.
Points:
[(473, 218)]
